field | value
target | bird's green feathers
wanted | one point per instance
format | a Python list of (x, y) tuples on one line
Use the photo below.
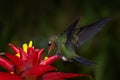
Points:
[(74, 37)]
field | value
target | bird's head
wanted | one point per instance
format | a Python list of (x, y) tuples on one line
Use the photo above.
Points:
[(52, 43)]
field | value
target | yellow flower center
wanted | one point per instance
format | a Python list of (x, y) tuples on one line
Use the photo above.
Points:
[(18, 55), (25, 46), (46, 58), (30, 44)]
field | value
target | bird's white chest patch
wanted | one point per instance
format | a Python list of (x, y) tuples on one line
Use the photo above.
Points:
[(64, 58)]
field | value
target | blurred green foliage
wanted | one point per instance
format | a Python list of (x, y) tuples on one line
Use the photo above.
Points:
[(24, 20)]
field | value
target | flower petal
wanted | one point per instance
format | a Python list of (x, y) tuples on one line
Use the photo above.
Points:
[(32, 54), (14, 48), (38, 57), (8, 76), (60, 75), (23, 55), (6, 64), (38, 71), (30, 51), (50, 60), (20, 65)]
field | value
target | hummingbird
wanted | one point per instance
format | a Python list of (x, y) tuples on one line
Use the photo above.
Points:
[(66, 43)]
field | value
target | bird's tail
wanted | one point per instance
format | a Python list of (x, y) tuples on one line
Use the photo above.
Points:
[(83, 60)]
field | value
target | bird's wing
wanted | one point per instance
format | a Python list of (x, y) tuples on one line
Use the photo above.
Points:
[(69, 32), (87, 32), (83, 60)]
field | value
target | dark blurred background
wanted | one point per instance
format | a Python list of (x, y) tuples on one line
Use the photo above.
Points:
[(36, 20)]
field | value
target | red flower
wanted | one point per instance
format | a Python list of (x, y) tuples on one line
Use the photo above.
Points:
[(27, 64)]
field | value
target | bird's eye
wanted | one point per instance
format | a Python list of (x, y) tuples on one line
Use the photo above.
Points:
[(49, 43)]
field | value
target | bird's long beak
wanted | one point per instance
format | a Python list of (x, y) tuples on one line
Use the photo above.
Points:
[(50, 48)]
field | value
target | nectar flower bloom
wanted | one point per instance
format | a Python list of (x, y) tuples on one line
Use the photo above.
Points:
[(27, 64)]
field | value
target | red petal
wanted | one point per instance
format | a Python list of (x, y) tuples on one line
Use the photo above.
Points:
[(23, 55), (30, 51), (32, 54), (50, 60), (38, 57), (20, 65), (6, 64), (14, 48), (38, 71), (60, 75), (8, 76)]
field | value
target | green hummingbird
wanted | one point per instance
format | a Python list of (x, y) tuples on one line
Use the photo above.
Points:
[(72, 38)]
